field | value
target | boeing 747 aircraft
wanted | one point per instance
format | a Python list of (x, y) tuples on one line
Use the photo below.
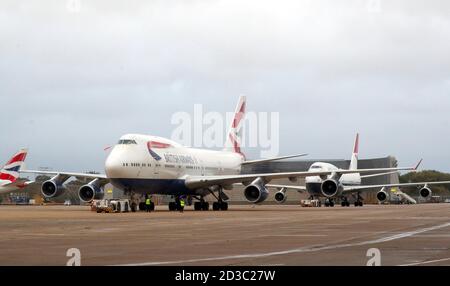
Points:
[(144, 164), (331, 187)]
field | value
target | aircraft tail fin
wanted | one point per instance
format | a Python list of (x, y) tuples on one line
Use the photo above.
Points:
[(10, 172), (354, 160), (234, 136)]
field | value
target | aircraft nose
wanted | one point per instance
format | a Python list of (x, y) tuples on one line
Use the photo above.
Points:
[(112, 165)]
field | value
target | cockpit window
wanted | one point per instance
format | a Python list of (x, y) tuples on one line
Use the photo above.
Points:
[(126, 142), (316, 167)]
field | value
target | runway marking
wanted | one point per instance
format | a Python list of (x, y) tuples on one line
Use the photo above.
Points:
[(313, 248), (43, 234), (289, 235), (425, 262)]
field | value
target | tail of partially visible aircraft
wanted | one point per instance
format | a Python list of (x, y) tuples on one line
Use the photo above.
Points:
[(354, 160), (234, 136), (10, 172)]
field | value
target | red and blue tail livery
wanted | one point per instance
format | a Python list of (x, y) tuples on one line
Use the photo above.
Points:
[(10, 172)]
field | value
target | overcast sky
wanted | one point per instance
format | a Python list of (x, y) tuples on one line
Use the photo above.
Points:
[(76, 75)]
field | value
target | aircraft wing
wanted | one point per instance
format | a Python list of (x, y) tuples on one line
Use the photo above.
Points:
[(297, 188), (272, 159), (68, 174), (352, 189), (378, 175), (194, 182)]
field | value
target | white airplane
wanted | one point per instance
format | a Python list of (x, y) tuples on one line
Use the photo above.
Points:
[(9, 174), (332, 187), (143, 164)]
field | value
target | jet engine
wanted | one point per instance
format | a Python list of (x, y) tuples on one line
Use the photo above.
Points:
[(92, 191), (54, 187), (425, 192), (382, 195), (330, 188), (280, 196), (256, 192)]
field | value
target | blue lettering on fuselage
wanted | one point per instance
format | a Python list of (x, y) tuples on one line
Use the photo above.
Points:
[(179, 159)]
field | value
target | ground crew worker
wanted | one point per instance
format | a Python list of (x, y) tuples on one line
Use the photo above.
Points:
[(148, 203), (182, 205)]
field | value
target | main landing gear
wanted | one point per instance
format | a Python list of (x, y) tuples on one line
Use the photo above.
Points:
[(220, 205), (201, 205), (358, 204), (329, 202), (358, 201), (176, 205), (345, 202)]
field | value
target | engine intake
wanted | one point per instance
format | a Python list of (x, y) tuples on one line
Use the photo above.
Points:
[(382, 195), (425, 192), (53, 187), (280, 197), (329, 188), (91, 191), (256, 192)]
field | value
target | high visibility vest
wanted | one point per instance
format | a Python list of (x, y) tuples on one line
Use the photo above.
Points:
[(182, 203), (147, 201)]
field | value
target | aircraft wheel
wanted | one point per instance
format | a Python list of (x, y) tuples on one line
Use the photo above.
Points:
[(172, 206), (216, 206), (133, 207), (205, 206), (224, 206), (198, 206)]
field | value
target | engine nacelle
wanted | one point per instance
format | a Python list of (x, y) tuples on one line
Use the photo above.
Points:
[(256, 192), (382, 195), (330, 188), (91, 191), (280, 197), (53, 187), (425, 192)]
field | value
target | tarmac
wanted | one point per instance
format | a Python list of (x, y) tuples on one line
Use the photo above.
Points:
[(244, 235)]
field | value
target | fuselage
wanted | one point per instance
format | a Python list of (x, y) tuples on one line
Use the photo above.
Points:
[(156, 165), (314, 183)]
